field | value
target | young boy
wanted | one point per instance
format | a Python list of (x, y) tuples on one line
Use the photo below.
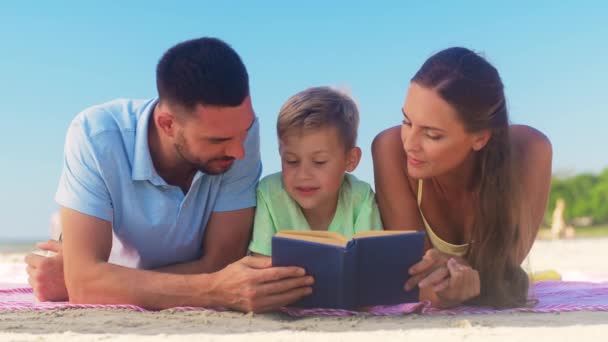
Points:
[(317, 130)]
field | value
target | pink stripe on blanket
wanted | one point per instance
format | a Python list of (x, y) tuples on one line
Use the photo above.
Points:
[(19, 299), (552, 296)]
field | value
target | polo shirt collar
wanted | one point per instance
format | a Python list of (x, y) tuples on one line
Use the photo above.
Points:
[(143, 168)]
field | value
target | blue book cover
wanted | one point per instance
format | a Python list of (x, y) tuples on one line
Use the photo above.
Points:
[(370, 269)]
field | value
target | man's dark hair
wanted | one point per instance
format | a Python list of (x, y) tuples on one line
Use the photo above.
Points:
[(202, 71)]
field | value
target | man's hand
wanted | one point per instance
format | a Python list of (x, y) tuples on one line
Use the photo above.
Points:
[(448, 280), (251, 284), (45, 274)]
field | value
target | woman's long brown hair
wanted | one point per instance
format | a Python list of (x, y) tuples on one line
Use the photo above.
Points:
[(474, 88)]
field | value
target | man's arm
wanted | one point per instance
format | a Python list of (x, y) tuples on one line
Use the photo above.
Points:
[(89, 278), (225, 241), (221, 245), (246, 285)]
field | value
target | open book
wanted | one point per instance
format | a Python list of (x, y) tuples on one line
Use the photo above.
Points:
[(369, 269)]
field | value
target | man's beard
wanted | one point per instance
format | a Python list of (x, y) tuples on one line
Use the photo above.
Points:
[(211, 166)]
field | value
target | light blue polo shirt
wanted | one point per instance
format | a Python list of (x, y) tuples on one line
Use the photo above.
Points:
[(108, 173)]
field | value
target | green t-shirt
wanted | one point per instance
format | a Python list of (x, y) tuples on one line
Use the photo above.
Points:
[(356, 211)]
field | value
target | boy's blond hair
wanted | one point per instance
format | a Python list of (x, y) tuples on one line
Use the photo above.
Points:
[(320, 107)]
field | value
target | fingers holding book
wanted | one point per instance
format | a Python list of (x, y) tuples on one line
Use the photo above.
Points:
[(448, 280), (439, 278), (252, 285), (461, 285), (433, 260)]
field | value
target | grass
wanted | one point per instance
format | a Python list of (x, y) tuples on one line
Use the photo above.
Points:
[(581, 232)]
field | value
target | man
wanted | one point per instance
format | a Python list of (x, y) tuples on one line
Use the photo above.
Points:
[(157, 197)]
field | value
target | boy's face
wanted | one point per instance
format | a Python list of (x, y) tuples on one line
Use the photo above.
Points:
[(313, 164)]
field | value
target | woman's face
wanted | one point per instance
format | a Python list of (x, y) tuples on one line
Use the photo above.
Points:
[(433, 136)]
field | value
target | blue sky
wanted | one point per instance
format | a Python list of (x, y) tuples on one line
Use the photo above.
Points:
[(57, 58)]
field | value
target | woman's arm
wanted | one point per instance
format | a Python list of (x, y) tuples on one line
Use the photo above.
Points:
[(396, 199), (532, 153)]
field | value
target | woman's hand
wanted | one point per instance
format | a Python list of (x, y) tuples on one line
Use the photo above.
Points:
[(445, 280), (461, 284), (433, 264)]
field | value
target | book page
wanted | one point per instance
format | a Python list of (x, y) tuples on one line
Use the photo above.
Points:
[(324, 237), (381, 233)]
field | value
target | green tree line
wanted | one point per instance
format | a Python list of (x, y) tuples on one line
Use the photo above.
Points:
[(586, 195)]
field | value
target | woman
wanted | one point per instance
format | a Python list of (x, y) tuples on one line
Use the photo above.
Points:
[(477, 185)]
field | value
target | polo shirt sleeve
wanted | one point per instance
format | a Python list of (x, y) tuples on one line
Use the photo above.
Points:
[(237, 188), (81, 186)]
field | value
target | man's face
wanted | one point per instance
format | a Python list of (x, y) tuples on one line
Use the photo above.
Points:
[(212, 137)]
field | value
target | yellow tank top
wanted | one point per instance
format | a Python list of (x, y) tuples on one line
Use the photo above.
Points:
[(440, 244)]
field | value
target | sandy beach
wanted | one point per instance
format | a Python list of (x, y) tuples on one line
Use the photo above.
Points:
[(581, 259)]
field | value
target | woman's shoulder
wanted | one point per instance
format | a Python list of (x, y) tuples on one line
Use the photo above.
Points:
[(389, 157), (530, 145), (532, 157), (524, 134), (389, 139)]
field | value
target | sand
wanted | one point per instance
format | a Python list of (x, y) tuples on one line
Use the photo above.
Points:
[(575, 259)]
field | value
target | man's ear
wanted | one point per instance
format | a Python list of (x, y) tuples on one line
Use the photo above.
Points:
[(480, 140), (166, 122), (353, 157)]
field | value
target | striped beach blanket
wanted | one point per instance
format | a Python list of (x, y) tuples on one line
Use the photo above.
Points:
[(551, 296)]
